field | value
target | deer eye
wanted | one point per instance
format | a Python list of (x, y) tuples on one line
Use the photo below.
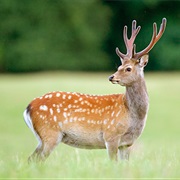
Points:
[(128, 69)]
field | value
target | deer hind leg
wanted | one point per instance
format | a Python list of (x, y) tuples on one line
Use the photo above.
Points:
[(46, 145)]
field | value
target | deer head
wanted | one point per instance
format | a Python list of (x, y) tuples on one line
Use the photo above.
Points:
[(134, 62)]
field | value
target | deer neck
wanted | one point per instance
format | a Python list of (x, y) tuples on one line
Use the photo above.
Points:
[(137, 99)]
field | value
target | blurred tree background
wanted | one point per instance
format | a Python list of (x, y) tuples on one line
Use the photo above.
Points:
[(38, 35)]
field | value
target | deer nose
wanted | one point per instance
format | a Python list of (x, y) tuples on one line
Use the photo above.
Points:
[(111, 78)]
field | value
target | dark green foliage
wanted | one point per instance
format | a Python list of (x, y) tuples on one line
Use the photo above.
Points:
[(51, 34), (165, 55), (82, 35)]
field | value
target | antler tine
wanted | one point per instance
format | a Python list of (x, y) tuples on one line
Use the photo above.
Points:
[(154, 40), (162, 28), (118, 52), (125, 36), (130, 42), (135, 30)]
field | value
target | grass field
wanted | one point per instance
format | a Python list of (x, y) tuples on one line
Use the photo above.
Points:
[(156, 154)]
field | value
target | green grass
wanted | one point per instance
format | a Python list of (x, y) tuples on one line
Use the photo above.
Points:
[(156, 154)]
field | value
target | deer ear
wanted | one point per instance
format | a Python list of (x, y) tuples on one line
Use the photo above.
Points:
[(144, 60)]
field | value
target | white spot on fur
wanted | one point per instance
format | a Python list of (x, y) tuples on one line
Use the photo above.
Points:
[(112, 122), (51, 111), (112, 100), (92, 110), (64, 96), (105, 121), (112, 114), (75, 101), (69, 106), (55, 118), (43, 108), (60, 124), (65, 121), (50, 95), (46, 96), (93, 122), (58, 94), (64, 114), (118, 113)]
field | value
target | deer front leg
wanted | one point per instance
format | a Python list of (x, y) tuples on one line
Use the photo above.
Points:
[(124, 152), (112, 148)]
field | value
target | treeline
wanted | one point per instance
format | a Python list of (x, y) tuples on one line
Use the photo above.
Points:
[(38, 35)]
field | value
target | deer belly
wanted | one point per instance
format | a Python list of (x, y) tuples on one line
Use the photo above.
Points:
[(84, 139)]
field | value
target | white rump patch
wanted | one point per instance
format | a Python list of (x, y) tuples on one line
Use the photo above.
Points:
[(27, 119)]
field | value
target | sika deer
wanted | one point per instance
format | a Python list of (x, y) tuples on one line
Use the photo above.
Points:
[(113, 122)]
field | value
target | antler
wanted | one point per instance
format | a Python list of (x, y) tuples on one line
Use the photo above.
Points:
[(129, 42), (154, 40), (131, 51)]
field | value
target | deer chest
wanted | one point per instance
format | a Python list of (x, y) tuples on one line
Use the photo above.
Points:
[(133, 132)]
